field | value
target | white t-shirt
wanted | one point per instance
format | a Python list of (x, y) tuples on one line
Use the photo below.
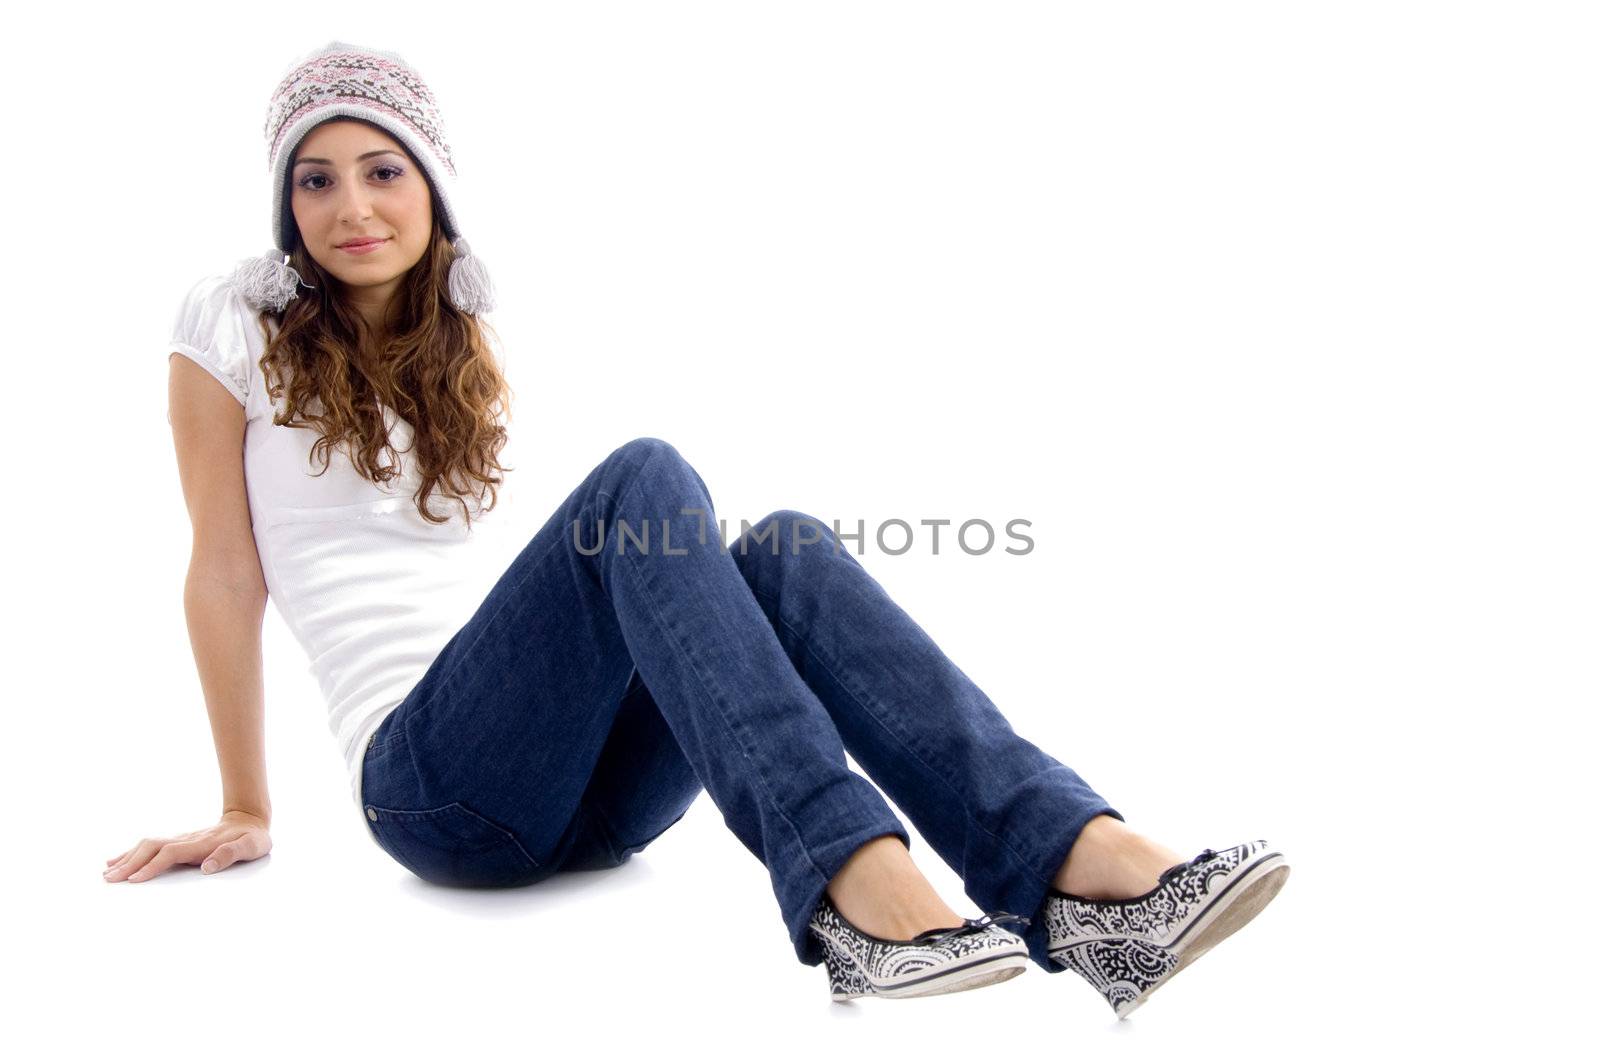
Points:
[(371, 591)]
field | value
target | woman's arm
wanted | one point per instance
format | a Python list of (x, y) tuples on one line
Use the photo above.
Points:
[(224, 615), (224, 598), (224, 594)]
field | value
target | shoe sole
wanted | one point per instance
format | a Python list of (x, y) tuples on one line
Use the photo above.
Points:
[(1238, 903), (994, 969)]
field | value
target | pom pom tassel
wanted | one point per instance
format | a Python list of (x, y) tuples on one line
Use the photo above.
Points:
[(268, 281), (470, 289)]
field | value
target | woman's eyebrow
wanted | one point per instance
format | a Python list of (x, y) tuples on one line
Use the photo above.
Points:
[(364, 155)]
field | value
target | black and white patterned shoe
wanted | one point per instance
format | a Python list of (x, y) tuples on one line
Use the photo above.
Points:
[(1129, 947), (942, 960)]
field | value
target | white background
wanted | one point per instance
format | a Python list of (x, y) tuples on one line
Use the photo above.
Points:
[(1276, 320)]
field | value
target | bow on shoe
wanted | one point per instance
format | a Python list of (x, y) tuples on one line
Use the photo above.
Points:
[(971, 926), (1177, 869)]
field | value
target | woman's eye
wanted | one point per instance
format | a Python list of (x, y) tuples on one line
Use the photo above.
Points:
[(305, 182)]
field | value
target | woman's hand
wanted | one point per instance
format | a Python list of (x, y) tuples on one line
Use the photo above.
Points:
[(236, 837)]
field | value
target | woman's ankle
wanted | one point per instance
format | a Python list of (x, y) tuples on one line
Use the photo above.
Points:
[(1109, 860), (881, 891)]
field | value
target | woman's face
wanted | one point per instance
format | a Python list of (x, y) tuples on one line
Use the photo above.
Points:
[(352, 181)]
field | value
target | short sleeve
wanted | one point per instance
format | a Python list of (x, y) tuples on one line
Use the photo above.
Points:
[(212, 328)]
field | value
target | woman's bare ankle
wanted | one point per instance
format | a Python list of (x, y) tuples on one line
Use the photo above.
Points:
[(1110, 860), (881, 891)]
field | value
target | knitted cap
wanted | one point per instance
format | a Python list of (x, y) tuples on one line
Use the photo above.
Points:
[(345, 80)]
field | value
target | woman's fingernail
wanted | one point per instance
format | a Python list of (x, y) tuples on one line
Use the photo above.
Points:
[(209, 866)]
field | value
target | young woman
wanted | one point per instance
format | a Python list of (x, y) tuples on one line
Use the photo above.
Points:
[(335, 419)]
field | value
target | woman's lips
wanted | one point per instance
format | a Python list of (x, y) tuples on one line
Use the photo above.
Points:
[(364, 247)]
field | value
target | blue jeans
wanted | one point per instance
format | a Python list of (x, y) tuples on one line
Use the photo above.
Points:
[(581, 710)]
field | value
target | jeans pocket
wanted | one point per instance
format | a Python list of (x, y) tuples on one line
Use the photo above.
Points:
[(453, 846)]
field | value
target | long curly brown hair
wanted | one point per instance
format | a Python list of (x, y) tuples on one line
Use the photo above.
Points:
[(432, 366)]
